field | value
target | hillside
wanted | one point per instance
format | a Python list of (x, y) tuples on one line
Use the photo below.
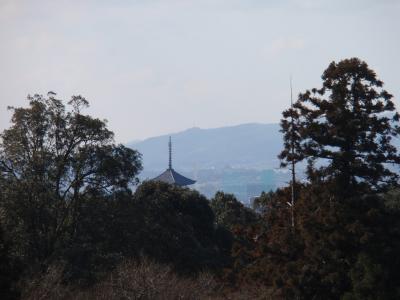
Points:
[(242, 146)]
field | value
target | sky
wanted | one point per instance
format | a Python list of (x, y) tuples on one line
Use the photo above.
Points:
[(152, 67)]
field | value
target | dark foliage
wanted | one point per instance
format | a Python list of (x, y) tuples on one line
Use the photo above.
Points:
[(53, 162), (231, 213), (65, 201), (346, 232), (177, 226), (337, 249), (9, 270), (347, 125), (345, 238)]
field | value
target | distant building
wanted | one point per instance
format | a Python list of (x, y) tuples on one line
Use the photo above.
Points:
[(170, 175)]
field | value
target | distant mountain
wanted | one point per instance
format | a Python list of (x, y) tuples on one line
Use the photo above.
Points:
[(238, 159), (242, 146)]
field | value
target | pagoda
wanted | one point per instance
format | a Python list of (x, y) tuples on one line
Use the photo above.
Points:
[(170, 175)]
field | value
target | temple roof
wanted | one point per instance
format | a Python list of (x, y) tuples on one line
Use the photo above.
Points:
[(172, 177)]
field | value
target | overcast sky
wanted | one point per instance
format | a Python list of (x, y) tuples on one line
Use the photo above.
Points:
[(152, 67)]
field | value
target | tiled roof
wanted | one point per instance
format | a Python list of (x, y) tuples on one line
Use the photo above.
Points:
[(172, 177)]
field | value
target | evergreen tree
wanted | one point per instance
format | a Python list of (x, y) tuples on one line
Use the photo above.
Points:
[(345, 128)]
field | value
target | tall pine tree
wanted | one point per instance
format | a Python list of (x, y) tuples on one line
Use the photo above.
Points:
[(344, 129)]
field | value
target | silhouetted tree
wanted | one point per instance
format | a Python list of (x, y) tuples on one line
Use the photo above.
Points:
[(347, 126), (344, 130), (51, 158), (291, 153)]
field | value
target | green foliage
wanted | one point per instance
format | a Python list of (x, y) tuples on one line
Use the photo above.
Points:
[(230, 213), (345, 241), (338, 248), (235, 221), (65, 200), (367, 280), (97, 246), (177, 227), (292, 139), (166, 223), (52, 161), (9, 270), (349, 124)]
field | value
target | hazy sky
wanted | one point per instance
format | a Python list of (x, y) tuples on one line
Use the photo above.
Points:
[(152, 67)]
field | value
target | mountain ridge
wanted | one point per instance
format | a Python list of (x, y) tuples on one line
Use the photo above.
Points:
[(249, 145)]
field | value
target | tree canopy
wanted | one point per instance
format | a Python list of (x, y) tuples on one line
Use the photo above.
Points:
[(345, 128), (66, 204), (51, 158)]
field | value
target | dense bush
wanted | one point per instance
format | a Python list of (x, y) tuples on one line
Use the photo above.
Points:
[(230, 212), (177, 227), (9, 270)]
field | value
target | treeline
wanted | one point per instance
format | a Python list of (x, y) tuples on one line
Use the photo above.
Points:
[(71, 227)]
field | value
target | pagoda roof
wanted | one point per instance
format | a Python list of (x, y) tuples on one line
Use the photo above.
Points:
[(172, 177)]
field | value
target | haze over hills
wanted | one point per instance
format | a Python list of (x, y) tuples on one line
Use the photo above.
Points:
[(238, 159), (254, 146)]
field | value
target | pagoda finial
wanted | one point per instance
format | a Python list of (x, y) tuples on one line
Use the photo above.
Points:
[(170, 153)]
